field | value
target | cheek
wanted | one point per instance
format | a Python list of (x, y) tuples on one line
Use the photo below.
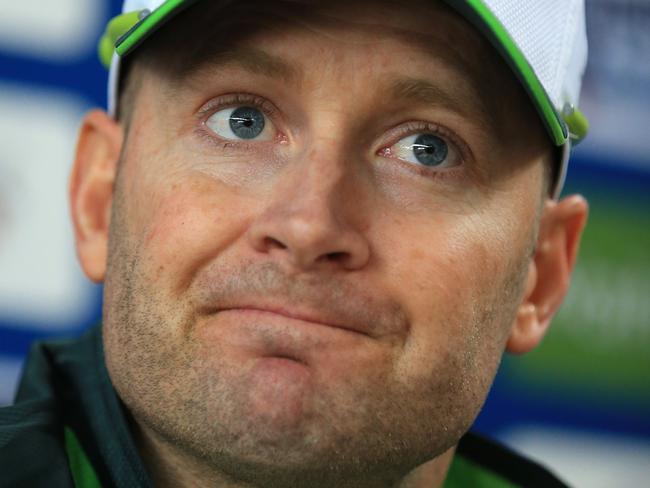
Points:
[(449, 279), (188, 223)]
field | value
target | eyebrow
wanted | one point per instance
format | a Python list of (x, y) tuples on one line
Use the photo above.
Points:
[(466, 102), (455, 99), (250, 59)]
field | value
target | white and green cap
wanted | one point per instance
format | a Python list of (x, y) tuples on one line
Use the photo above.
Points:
[(543, 42)]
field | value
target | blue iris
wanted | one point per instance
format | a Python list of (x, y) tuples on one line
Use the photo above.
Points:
[(430, 150), (246, 122)]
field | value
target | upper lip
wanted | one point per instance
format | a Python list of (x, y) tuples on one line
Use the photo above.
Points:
[(304, 314)]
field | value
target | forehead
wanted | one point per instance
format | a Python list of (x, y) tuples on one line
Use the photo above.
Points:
[(429, 33), (210, 29)]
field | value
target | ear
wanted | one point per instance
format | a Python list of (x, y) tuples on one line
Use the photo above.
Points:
[(549, 271), (90, 189)]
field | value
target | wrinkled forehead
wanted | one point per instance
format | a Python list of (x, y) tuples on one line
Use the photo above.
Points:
[(430, 27), (212, 33)]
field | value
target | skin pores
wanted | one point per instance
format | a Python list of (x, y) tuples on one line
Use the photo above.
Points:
[(310, 307)]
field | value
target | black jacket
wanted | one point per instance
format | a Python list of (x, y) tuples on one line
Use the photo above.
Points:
[(67, 429)]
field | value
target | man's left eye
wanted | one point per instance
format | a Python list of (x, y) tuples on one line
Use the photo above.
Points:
[(426, 149), (241, 123)]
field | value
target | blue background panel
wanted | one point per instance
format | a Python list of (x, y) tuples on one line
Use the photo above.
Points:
[(580, 402)]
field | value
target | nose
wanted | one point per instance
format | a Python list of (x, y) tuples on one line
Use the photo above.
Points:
[(312, 220)]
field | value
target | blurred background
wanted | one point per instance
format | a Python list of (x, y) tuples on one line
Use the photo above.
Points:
[(580, 403)]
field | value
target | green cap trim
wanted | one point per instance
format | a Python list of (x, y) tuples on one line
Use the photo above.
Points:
[(483, 18), (126, 31), (147, 25), (578, 124), (116, 28)]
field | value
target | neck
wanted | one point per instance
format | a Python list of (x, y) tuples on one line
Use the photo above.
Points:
[(169, 466)]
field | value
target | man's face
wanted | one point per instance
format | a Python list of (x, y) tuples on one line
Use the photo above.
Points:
[(319, 239)]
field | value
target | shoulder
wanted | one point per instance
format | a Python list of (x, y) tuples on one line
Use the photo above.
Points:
[(486, 463), (32, 452), (32, 442)]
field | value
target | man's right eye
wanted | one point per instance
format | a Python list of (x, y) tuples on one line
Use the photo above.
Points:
[(241, 123)]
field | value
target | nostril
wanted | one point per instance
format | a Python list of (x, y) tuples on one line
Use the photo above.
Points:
[(336, 256), (271, 243)]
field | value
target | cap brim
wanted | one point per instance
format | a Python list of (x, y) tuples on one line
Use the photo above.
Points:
[(149, 24), (475, 11), (479, 15)]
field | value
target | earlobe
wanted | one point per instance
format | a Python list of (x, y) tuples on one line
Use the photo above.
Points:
[(527, 331), (549, 271), (91, 189)]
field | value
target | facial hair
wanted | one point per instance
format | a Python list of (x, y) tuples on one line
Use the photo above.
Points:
[(375, 424)]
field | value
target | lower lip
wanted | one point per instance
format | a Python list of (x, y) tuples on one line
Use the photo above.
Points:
[(272, 318), (266, 335)]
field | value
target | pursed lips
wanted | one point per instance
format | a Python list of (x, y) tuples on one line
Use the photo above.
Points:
[(303, 315)]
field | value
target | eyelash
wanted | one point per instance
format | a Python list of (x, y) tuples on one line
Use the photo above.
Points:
[(234, 99)]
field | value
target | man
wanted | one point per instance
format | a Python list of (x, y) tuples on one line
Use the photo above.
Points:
[(319, 226)]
